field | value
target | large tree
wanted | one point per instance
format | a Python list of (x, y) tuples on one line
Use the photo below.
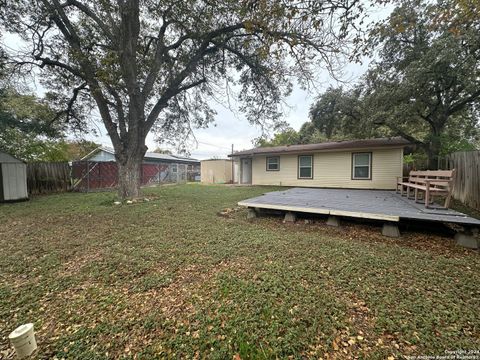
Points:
[(155, 64), (424, 86), (427, 80)]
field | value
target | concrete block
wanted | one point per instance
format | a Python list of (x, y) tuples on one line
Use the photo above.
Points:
[(333, 221), (390, 230), (251, 214), (290, 217), (467, 239)]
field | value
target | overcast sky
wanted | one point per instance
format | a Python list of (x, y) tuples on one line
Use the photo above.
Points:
[(232, 128)]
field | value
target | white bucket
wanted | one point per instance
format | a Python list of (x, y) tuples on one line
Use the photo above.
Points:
[(23, 340)]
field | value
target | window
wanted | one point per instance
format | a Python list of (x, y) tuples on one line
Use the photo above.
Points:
[(273, 163), (361, 166), (305, 167)]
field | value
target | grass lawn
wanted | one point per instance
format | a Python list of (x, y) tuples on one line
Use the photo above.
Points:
[(171, 278)]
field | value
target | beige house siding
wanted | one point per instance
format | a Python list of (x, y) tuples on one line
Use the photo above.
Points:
[(216, 171), (332, 169)]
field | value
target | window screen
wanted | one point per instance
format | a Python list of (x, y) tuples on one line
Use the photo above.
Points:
[(362, 163), (305, 167), (273, 163)]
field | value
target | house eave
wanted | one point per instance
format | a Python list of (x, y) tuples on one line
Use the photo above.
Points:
[(307, 151)]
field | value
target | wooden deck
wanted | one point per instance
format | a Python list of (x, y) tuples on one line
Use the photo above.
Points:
[(367, 204)]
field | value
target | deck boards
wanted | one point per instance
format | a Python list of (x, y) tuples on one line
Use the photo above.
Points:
[(369, 204)]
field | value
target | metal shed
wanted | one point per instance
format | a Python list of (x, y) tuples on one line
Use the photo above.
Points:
[(13, 178), (216, 171)]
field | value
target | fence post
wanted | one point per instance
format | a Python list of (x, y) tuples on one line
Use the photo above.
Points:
[(88, 176)]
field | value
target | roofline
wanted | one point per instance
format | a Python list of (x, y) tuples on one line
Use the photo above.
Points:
[(93, 152), (111, 151), (253, 152), (217, 159)]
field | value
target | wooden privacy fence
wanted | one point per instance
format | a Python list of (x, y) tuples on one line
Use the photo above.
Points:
[(48, 177), (467, 179)]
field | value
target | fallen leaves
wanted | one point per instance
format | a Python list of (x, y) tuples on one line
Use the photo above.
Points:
[(171, 279)]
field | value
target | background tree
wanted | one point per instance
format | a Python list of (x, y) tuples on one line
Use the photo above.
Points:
[(162, 151), (26, 130), (77, 149), (155, 64), (309, 134), (283, 136), (338, 114), (326, 114)]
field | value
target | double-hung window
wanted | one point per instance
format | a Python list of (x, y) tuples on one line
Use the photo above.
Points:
[(273, 163), (305, 167), (362, 166)]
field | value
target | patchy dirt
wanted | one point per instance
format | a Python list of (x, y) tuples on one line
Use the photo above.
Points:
[(229, 212)]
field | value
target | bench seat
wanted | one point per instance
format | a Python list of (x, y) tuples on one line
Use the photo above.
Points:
[(423, 187), (439, 182)]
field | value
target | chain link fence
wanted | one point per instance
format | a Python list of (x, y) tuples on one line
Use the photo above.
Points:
[(94, 175)]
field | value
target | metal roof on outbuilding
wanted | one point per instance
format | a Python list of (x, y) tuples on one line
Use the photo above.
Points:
[(148, 155)]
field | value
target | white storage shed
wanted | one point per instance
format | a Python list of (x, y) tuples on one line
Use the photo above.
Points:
[(13, 178)]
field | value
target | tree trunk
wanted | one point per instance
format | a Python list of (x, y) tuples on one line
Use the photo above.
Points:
[(129, 178), (433, 153)]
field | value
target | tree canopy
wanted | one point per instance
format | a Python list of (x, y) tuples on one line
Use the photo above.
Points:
[(425, 85), (283, 136), (428, 76), (154, 65), (28, 133)]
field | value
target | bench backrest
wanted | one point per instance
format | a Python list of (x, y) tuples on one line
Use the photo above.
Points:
[(419, 177)]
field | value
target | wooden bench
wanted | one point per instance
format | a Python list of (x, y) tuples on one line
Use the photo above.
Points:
[(431, 182)]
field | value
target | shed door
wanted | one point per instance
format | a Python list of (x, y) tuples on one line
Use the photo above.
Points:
[(246, 169), (14, 181)]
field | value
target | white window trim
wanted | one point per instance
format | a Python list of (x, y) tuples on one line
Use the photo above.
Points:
[(355, 166), (277, 163), (300, 167)]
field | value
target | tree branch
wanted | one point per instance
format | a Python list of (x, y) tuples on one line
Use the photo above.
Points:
[(66, 28), (460, 104), (87, 11)]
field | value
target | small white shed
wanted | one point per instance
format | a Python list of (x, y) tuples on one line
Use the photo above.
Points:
[(216, 171), (13, 178)]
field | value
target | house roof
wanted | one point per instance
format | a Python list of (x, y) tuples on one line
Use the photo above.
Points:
[(148, 155), (327, 146)]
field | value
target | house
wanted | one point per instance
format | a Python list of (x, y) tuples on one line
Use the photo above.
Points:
[(217, 171), (13, 178), (356, 164)]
